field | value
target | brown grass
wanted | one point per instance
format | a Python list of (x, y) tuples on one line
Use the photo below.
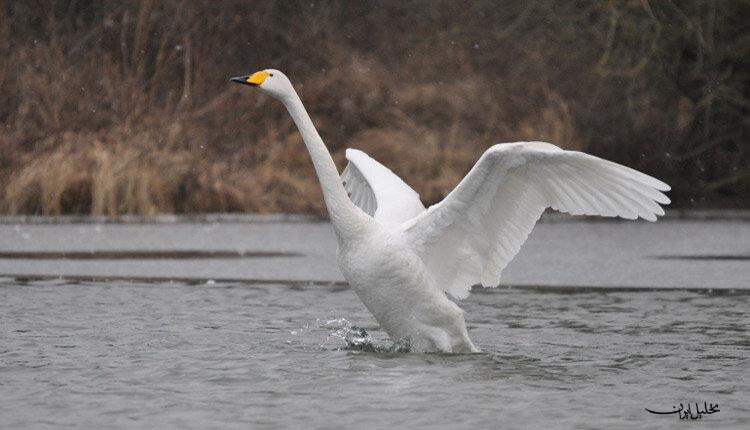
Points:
[(123, 107)]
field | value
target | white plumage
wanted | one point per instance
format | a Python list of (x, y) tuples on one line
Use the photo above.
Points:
[(402, 259), (378, 191)]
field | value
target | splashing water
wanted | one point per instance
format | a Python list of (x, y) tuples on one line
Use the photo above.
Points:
[(342, 335)]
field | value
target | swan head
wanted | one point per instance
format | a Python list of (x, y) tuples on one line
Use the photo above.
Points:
[(269, 81)]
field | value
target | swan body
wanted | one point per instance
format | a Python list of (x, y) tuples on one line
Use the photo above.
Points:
[(404, 260)]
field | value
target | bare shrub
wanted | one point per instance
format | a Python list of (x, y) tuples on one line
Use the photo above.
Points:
[(124, 107)]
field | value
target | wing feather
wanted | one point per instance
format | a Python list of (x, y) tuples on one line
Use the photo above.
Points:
[(377, 190), (472, 235)]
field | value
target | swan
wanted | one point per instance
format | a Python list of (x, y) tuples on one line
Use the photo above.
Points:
[(404, 260)]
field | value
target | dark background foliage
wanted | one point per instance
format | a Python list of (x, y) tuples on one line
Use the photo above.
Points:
[(111, 107)]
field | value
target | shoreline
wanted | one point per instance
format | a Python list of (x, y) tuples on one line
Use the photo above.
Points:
[(255, 218)]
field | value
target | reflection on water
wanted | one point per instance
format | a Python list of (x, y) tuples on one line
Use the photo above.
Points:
[(239, 355)]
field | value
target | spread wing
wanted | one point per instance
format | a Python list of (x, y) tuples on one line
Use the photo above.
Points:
[(469, 237), (378, 191)]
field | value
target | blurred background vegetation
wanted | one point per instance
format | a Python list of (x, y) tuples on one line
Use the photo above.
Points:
[(112, 107)]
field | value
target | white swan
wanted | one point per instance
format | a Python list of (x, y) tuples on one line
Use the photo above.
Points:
[(404, 260)]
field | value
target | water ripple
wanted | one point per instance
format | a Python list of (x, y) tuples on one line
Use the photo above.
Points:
[(231, 355)]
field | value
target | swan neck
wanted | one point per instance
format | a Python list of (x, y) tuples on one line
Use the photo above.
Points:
[(346, 217)]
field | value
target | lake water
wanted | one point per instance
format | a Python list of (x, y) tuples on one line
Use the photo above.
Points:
[(265, 355), (607, 318)]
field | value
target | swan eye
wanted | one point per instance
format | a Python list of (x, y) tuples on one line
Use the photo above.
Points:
[(270, 74)]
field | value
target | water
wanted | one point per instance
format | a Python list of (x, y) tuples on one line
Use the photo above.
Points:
[(244, 355), (671, 253)]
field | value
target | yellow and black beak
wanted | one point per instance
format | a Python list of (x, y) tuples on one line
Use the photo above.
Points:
[(256, 79)]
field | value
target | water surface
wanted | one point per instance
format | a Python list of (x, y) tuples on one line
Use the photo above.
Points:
[(243, 355)]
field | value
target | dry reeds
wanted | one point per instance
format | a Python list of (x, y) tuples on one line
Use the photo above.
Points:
[(123, 107)]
